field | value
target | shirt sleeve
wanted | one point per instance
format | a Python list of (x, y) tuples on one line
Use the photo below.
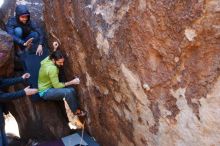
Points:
[(53, 75), (10, 96), (38, 30), (10, 81)]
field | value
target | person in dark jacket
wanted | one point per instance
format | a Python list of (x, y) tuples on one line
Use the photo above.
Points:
[(4, 97), (25, 33)]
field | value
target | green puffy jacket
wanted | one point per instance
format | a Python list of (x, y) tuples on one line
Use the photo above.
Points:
[(48, 76)]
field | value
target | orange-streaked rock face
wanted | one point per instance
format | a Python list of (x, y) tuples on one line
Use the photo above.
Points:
[(149, 69)]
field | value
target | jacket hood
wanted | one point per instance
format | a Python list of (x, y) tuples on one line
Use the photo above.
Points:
[(47, 62), (21, 10)]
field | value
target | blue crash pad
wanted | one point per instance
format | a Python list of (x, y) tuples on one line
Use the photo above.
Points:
[(88, 139), (73, 140)]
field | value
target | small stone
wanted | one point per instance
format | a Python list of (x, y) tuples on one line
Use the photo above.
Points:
[(106, 92), (176, 59), (146, 87), (190, 34), (118, 97), (178, 78)]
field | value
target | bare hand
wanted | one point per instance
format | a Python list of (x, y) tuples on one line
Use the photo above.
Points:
[(28, 43), (39, 50), (75, 81), (26, 76), (30, 91), (55, 46)]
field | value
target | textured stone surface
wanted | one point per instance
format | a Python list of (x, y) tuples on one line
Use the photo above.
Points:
[(6, 54), (149, 69), (7, 9)]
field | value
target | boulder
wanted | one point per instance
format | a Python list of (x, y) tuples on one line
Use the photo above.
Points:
[(149, 70), (6, 54)]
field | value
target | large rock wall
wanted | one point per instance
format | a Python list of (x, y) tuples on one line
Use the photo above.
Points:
[(149, 69), (7, 9), (6, 54)]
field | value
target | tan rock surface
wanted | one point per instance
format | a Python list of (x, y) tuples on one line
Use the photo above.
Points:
[(149, 69)]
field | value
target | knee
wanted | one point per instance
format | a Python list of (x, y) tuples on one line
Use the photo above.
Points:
[(71, 91), (18, 31), (34, 35)]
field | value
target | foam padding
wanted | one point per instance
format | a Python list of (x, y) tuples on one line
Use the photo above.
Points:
[(88, 139)]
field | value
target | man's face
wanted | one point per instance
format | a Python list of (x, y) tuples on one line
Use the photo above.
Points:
[(23, 19), (59, 62)]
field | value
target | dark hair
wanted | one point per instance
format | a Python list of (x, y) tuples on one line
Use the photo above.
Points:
[(56, 55)]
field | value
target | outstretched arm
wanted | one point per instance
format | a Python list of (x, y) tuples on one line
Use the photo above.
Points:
[(39, 31), (13, 81), (10, 96), (14, 95), (10, 81)]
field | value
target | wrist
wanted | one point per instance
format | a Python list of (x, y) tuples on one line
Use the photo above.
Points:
[(66, 84), (21, 42)]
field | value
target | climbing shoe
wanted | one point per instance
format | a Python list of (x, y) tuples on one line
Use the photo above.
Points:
[(80, 113)]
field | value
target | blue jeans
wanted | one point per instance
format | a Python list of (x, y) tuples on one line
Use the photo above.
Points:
[(59, 93), (3, 138), (35, 42)]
